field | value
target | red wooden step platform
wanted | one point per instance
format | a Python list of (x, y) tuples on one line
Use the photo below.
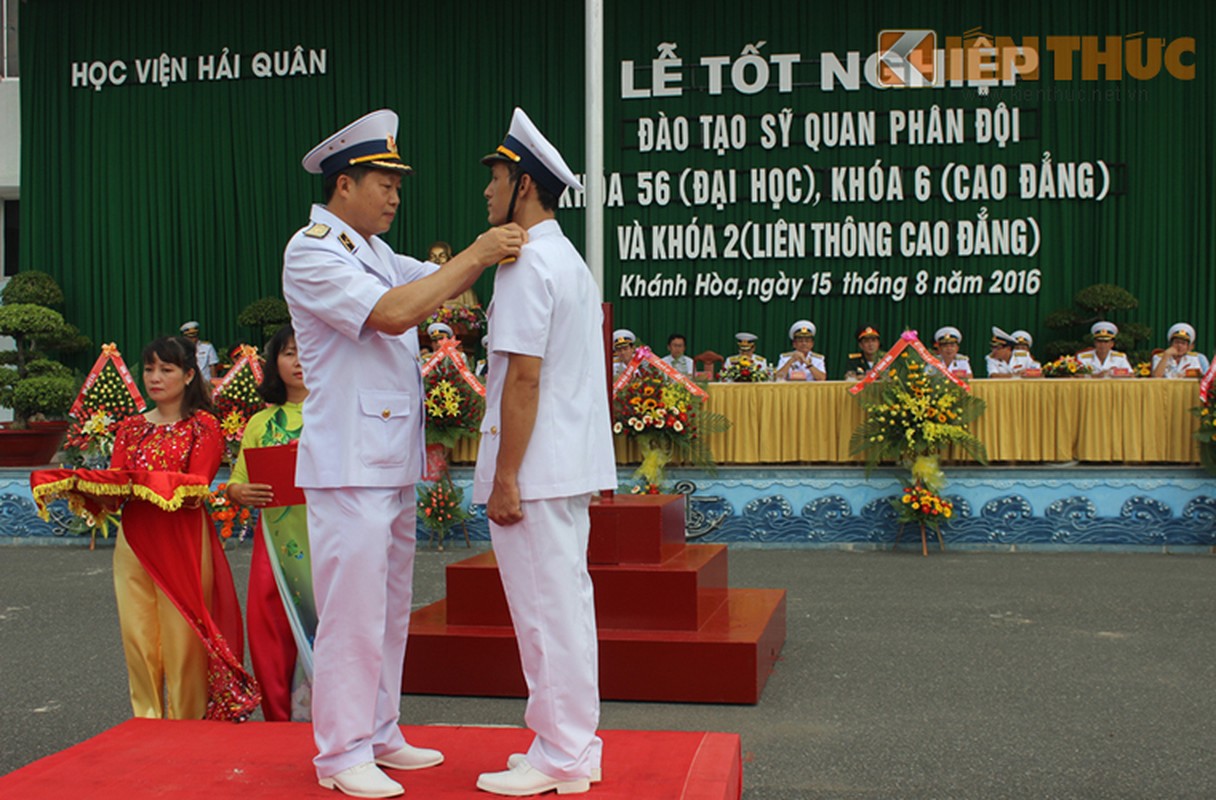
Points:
[(145, 758), (670, 629)]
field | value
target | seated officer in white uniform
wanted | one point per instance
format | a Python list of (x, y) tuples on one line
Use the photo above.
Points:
[(946, 341), (355, 305), (801, 363), (546, 446), (1177, 360), (746, 343), (1021, 360), (1103, 358), (439, 331), (1000, 359), (676, 345), (623, 345)]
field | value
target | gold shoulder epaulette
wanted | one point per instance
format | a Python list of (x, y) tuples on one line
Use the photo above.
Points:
[(854, 355), (318, 231)]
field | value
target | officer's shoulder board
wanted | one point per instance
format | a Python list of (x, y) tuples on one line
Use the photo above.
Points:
[(1117, 353), (816, 355), (961, 357), (790, 353), (317, 231), (854, 355)]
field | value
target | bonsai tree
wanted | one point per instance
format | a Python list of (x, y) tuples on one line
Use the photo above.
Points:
[(1101, 301), (33, 385), (265, 316)]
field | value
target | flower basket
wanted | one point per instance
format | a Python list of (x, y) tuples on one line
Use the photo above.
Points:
[(666, 418), (1067, 367), (746, 370)]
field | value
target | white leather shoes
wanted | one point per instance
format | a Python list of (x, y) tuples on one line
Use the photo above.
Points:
[(363, 780), (410, 757), (515, 759), (523, 781)]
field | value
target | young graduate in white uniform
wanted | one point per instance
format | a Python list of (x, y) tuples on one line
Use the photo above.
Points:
[(546, 446), (355, 304)]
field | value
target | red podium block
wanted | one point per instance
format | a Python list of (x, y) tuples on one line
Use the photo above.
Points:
[(670, 629), (727, 661), (679, 594), (636, 529)]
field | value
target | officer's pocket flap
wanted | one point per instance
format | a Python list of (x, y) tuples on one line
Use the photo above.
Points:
[(386, 405)]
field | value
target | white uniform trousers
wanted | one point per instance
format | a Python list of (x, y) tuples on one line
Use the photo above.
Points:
[(543, 564), (362, 542)]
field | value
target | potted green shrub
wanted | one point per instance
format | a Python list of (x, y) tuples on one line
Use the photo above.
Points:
[(38, 389)]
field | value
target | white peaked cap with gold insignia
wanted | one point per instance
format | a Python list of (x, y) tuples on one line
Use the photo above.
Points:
[(370, 141), (438, 327), (803, 327), (948, 334), (1104, 331), (1181, 330), (526, 146), (1023, 337), (186, 326), (623, 336)]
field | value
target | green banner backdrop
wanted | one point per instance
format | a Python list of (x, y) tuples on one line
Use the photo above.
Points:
[(905, 165)]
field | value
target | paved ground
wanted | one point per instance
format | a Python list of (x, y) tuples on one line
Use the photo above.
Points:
[(978, 675)]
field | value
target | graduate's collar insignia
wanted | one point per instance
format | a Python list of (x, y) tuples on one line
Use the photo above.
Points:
[(346, 242)]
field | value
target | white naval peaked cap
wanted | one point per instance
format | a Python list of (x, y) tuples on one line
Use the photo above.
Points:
[(438, 327), (802, 327), (1104, 331), (948, 334), (191, 325), (1023, 337), (744, 336), (1181, 330), (623, 336), (370, 141), (1000, 337), (526, 146)]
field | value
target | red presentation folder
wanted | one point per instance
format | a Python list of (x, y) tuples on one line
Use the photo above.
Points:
[(275, 465)]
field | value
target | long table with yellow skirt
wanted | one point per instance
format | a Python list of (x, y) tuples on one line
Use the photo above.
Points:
[(1114, 420)]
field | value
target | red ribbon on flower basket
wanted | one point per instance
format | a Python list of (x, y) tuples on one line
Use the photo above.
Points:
[(109, 352), (1205, 385), (906, 340), (644, 355), (248, 355), (447, 350)]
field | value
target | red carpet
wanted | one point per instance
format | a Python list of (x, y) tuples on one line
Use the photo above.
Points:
[(217, 760)]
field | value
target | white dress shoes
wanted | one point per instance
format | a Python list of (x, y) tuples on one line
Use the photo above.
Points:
[(363, 780), (523, 781), (410, 757), (515, 759)]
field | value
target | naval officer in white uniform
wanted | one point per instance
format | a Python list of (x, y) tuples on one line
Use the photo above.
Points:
[(355, 304), (546, 446)]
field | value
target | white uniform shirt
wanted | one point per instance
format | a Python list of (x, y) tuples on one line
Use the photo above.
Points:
[(1021, 361), (798, 369), (364, 407), (683, 363), (547, 305), (207, 358), (998, 367), (1114, 360), (1177, 368), (960, 367)]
